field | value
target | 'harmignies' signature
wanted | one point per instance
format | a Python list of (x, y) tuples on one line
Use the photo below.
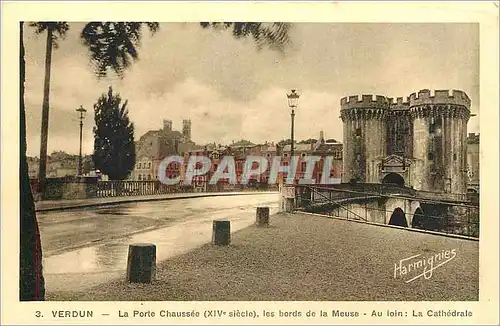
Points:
[(417, 266)]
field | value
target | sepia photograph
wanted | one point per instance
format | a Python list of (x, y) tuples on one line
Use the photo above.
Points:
[(172, 166), (250, 161)]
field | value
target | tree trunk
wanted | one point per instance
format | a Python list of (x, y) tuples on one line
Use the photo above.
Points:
[(31, 281), (45, 114)]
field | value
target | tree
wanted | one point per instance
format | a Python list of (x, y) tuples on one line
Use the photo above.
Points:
[(31, 281), (54, 30), (284, 142), (111, 45), (275, 35), (114, 147), (308, 141)]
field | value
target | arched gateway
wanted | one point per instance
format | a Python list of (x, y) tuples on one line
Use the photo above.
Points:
[(394, 178)]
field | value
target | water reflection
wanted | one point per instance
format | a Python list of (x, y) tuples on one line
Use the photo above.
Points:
[(113, 210), (189, 226), (81, 261), (111, 256), (170, 241)]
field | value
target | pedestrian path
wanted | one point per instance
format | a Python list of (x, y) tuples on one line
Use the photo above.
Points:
[(49, 205), (299, 257)]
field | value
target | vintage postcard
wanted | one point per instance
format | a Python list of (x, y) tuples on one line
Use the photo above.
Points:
[(249, 163)]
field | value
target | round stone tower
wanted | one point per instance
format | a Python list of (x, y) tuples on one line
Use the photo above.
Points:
[(440, 140), (365, 134)]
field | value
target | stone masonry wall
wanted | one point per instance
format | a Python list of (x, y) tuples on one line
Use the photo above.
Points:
[(437, 137)]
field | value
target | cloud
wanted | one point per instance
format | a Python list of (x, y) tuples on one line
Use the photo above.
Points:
[(230, 90)]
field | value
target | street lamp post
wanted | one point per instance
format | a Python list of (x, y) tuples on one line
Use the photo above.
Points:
[(81, 116), (293, 100)]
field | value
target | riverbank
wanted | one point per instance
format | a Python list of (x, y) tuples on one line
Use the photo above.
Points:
[(51, 205)]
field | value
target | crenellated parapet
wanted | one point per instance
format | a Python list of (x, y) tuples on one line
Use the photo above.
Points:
[(440, 110), (399, 104), (369, 107), (440, 103), (363, 114), (424, 97), (366, 102)]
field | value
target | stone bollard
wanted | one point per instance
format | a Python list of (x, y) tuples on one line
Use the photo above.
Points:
[(221, 233), (141, 264), (262, 217)]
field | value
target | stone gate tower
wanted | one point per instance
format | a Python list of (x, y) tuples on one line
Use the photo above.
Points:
[(440, 140), (365, 132), (419, 143)]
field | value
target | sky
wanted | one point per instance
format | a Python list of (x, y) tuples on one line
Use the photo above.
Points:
[(231, 90)]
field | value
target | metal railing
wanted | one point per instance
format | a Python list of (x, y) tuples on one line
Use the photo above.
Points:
[(137, 188), (442, 196), (434, 215), (331, 200), (80, 188), (347, 190)]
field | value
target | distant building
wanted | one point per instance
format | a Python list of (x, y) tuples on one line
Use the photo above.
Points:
[(321, 148), (186, 130), (328, 148), (267, 150), (241, 145), (155, 145), (61, 164), (198, 180), (300, 150)]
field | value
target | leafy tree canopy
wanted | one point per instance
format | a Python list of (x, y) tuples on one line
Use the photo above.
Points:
[(308, 141), (275, 35), (58, 29), (114, 147), (114, 45)]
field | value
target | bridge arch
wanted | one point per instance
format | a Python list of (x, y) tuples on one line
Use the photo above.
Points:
[(394, 178), (405, 205), (418, 219), (398, 218)]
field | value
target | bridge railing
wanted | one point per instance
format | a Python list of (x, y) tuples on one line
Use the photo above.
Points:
[(450, 217), (137, 188), (308, 194), (119, 188), (82, 188), (442, 196), (346, 190)]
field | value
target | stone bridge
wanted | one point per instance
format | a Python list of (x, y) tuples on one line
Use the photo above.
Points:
[(381, 203), (392, 211)]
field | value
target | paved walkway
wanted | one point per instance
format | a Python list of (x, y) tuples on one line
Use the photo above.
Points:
[(49, 205), (303, 257)]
